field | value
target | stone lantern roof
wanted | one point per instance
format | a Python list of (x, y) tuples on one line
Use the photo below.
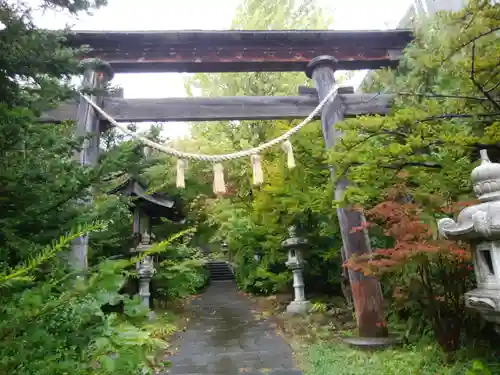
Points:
[(294, 242), (481, 221), (486, 179), (154, 205)]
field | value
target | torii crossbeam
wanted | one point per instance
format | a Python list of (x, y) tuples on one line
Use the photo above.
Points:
[(240, 51)]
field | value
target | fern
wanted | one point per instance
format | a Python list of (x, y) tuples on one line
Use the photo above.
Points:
[(318, 307), (19, 273)]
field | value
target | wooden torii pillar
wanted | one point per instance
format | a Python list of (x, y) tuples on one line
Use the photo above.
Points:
[(96, 76), (366, 291)]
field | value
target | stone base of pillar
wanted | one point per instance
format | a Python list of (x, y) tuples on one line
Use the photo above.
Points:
[(298, 308), (372, 343), (151, 315), (487, 303)]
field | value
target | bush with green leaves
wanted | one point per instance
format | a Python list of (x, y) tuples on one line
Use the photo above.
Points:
[(57, 326), (180, 272)]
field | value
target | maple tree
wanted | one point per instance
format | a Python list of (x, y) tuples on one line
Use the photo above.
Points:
[(424, 270)]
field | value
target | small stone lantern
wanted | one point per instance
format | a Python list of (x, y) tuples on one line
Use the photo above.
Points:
[(295, 262), (480, 226), (224, 248), (145, 270)]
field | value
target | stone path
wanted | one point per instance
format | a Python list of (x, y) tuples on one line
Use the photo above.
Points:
[(224, 338)]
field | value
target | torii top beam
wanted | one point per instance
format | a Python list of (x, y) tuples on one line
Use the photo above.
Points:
[(240, 51)]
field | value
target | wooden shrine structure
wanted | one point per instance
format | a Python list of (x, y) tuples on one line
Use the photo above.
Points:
[(316, 53), (147, 209)]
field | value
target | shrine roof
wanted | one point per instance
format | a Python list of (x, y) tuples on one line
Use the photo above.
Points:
[(155, 204)]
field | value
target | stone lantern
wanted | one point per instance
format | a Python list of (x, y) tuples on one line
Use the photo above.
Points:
[(295, 245), (224, 248), (145, 270), (148, 209), (480, 226)]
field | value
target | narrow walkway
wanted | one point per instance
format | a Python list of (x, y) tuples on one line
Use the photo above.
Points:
[(224, 338)]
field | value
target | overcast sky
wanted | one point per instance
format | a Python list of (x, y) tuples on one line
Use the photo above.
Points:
[(203, 15)]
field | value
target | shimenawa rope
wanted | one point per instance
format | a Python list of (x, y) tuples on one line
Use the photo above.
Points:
[(219, 185)]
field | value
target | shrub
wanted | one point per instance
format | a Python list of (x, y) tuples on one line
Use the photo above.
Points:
[(179, 274), (259, 280), (424, 272), (57, 326)]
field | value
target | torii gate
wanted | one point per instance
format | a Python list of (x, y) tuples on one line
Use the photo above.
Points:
[(317, 53)]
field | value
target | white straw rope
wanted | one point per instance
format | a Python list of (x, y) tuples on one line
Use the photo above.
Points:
[(213, 158)]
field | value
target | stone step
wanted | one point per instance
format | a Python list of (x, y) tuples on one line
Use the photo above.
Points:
[(222, 278), (217, 265), (215, 275), (220, 272)]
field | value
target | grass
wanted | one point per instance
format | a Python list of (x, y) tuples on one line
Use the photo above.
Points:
[(339, 359), (422, 359), (316, 342), (318, 349)]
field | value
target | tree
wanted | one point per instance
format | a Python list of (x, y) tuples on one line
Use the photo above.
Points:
[(40, 180), (446, 107), (425, 273), (440, 116), (52, 323)]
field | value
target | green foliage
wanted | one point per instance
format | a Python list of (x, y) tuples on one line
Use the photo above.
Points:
[(478, 368), (259, 280), (19, 273), (53, 322), (319, 307), (443, 112), (180, 273), (435, 151), (59, 326), (422, 359), (73, 6)]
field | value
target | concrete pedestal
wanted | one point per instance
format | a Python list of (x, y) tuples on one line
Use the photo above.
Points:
[(298, 308)]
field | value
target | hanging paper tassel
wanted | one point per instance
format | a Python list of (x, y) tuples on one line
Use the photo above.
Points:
[(258, 176), (181, 167), (290, 160), (219, 184)]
